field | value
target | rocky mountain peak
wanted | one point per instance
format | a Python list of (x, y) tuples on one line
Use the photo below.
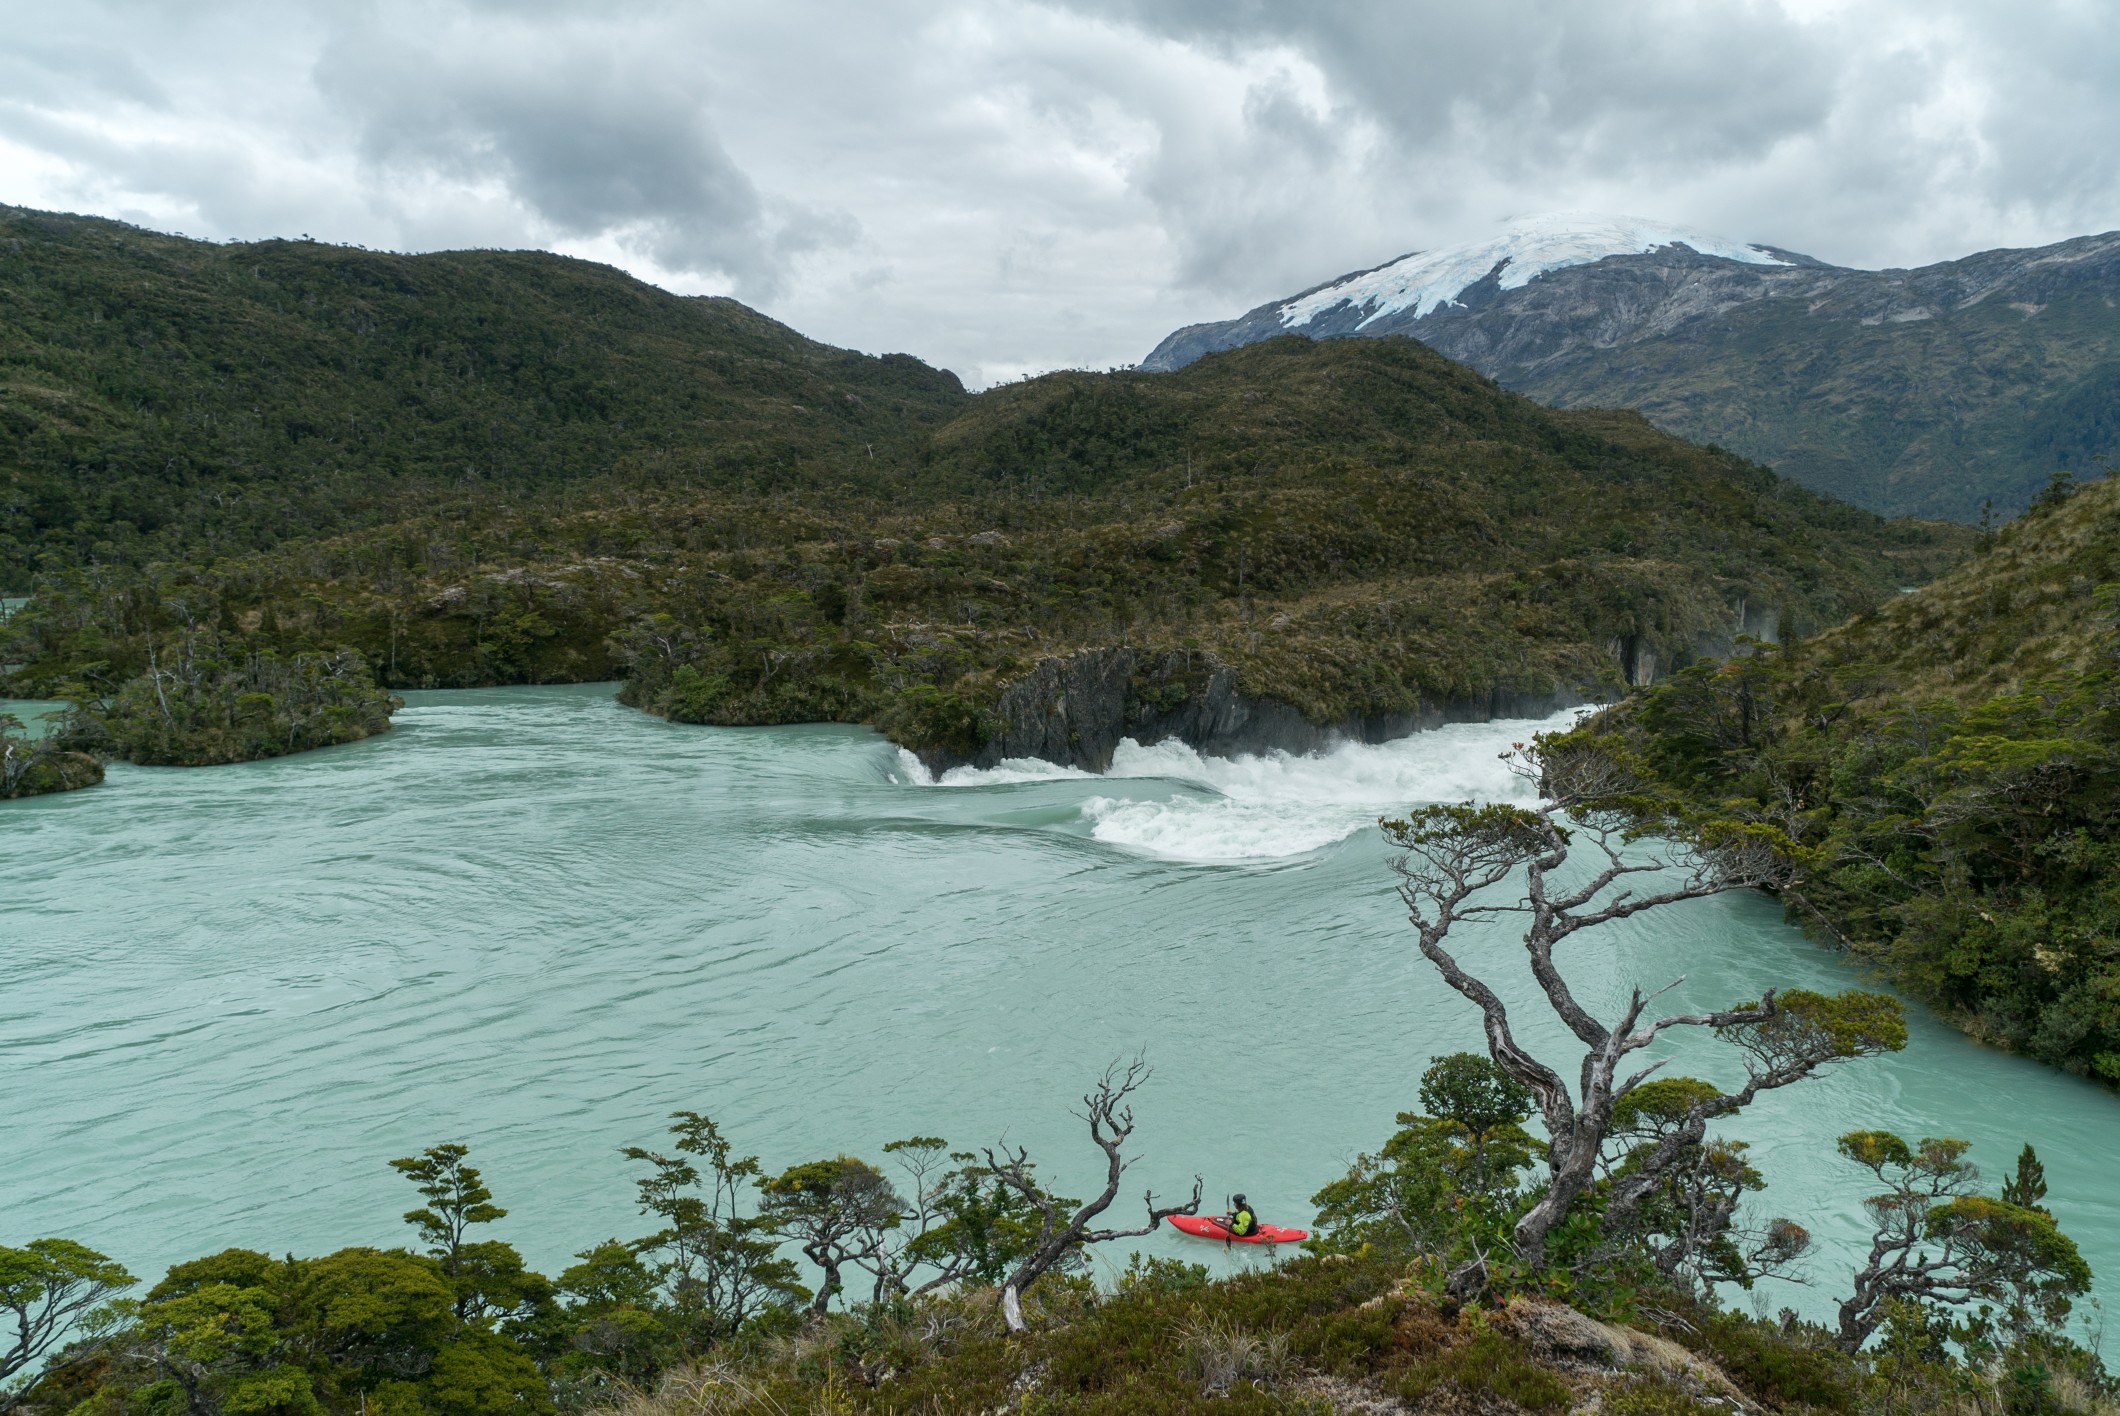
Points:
[(1419, 284)]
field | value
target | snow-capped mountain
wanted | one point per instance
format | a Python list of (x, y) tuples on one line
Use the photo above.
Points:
[(1924, 391), (1433, 289), (1426, 281)]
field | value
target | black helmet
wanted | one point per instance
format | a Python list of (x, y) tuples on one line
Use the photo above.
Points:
[(1239, 1199)]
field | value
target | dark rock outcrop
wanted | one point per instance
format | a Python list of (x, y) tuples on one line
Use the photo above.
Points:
[(1075, 710)]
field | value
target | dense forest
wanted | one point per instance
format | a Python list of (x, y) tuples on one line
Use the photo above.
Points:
[(489, 468), (1468, 1264), (167, 399), (1948, 771)]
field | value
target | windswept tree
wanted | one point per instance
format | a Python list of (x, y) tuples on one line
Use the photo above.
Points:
[(456, 1196), (1478, 1101), (961, 1224), (1447, 1183), (1598, 851), (714, 1257), (1689, 1222), (2027, 1186), (840, 1212), (48, 1289), (1062, 1227), (1938, 1242)]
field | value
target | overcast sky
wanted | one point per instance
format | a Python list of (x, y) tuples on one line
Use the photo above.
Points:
[(1010, 187)]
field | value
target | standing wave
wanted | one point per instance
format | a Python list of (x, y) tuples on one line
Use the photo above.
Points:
[(1275, 805)]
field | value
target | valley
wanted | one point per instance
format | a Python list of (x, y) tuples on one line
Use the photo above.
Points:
[(1307, 538)]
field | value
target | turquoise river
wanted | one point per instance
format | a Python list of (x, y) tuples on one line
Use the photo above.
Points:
[(537, 922)]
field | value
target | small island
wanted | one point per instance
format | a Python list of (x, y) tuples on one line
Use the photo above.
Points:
[(210, 700), (191, 698), (34, 766)]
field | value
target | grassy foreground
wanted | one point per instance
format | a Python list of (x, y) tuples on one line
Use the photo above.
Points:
[(1313, 1335), (367, 1330)]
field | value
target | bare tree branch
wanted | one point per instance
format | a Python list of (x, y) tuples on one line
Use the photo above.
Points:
[(1111, 1122), (1455, 855)]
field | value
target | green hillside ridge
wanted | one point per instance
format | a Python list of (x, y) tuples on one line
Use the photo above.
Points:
[(169, 399), (1357, 529), (1950, 767)]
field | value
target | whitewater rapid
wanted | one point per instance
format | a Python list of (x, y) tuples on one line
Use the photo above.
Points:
[(1170, 802)]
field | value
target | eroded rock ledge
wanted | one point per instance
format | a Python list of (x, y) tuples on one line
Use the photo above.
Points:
[(1075, 710)]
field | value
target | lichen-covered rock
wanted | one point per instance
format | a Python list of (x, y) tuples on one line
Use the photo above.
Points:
[(1561, 1334)]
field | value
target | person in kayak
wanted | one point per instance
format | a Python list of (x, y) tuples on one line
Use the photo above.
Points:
[(1242, 1222)]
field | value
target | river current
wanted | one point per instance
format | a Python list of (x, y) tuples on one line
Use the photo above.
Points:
[(537, 922)]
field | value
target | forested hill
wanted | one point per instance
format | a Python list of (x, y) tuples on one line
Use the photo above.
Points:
[(162, 398), (1951, 767)]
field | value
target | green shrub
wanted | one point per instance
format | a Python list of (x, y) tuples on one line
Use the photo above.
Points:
[(694, 697), (1796, 1366), (1655, 1395), (1488, 1365), (929, 719)]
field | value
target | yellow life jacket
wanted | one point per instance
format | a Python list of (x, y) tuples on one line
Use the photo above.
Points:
[(1243, 1223)]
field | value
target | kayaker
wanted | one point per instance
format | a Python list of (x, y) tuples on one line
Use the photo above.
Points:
[(1242, 1222)]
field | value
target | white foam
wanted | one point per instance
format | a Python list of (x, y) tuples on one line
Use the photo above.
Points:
[(1205, 831), (1280, 804), (1428, 280), (1008, 772)]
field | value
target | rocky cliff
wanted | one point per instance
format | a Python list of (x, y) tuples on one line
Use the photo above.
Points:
[(1075, 709)]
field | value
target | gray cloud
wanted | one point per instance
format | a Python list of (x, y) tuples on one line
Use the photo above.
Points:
[(591, 141), (1011, 185), (1528, 85), (1876, 132), (44, 70)]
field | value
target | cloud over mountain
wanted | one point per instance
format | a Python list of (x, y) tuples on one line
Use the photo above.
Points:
[(1007, 185)]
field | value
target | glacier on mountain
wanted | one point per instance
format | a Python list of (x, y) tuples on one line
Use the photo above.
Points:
[(1428, 280)]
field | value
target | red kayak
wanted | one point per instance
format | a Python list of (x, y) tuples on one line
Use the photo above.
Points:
[(1207, 1227)]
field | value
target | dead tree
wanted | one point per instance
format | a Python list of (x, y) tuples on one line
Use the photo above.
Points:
[(1455, 861), (1111, 1121)]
